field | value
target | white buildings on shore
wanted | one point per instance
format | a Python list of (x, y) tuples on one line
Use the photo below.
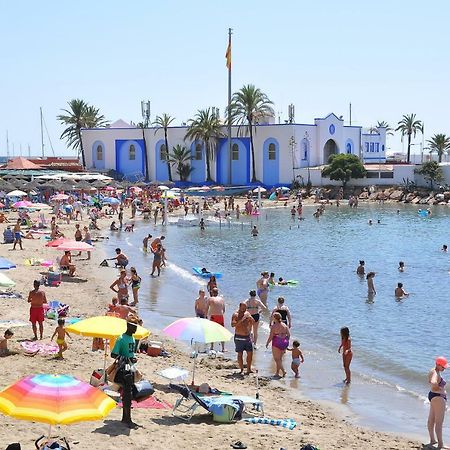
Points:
[(281, 150)]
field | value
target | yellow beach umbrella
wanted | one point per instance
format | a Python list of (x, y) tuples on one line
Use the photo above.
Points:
[(106, 327)]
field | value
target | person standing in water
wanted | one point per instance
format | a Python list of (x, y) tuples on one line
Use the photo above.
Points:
[(283, 311), (201, 304), (216, 311), (254, 307), (400, 292), (361, 269), (145, 243), (401, 266), (262, 287), (279, 337), (438, 398), (242, 322), (370, 286), (347, 355), (254, 231)]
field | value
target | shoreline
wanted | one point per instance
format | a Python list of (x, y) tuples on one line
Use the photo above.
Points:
[(316, 423)]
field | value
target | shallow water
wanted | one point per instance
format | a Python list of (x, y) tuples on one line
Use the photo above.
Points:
[(394, 342)]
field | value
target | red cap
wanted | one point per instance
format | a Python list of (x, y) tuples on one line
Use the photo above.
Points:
[(441, 361)]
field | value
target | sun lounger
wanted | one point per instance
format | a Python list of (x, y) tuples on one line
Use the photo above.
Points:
[(219, 405)]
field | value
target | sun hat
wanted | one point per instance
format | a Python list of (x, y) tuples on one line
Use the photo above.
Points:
[(441, 361)]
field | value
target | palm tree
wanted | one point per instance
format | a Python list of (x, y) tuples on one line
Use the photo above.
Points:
[(143, 126), (181, 157), (163, 122), (409, 126), (248, 106), (439, 143), (205, 127), (384, 124), (80, 115)]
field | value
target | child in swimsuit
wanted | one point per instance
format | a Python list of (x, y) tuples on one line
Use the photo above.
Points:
[(61, 333), (347, 355), (297, 357)]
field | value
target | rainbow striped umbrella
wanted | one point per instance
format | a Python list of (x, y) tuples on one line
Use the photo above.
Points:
[(54, 399)]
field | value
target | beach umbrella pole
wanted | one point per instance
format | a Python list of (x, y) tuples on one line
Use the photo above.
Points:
[(49, 431), (195, 360)]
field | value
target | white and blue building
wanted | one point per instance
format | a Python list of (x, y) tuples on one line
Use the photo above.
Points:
[(281, 150)]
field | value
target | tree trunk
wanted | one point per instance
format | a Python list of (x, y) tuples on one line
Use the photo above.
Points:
[(145, 156), (440, 156), (83, 158), (253, 153), (208, 168), (408, 158), (169, 169)]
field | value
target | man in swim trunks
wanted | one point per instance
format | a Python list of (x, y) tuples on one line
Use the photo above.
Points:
[(216, 310), (121, 259), (242, 322), (254, 307), (17, 235), (262, 287), (157, 241), (37, 298), (201, 304)]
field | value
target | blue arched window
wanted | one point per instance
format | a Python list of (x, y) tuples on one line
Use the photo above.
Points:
[(349, 146), (305, 149), (99, 152), (198, 152), (132, 153), (235, 152)]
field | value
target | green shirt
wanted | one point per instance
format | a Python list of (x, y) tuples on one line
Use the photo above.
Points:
[(125, 346)]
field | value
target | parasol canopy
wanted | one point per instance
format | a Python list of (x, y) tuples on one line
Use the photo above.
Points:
[(54, 399)]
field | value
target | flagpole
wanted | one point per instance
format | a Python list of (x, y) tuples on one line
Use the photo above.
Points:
[(229, 106)]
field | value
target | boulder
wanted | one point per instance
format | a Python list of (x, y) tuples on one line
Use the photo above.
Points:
[(396, 195), (373, 197), (416, 200), (447, 195), (364, 195), (410, 197)]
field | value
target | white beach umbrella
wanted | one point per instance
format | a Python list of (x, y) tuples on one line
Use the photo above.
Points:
[(163, 188), (259, 189), (16, 193)]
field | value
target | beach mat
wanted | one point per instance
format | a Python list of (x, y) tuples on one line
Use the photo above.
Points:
[(13, 323), (149, 403), (39, 347)]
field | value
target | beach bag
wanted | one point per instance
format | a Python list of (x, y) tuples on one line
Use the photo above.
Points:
[(111, 371), (225, 413), (97, 378), (142, 390)]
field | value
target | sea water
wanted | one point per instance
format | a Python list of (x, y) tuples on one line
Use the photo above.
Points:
[(394, 341)]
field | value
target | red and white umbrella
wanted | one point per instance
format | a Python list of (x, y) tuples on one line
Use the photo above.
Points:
[(75, 246), (135, 189)]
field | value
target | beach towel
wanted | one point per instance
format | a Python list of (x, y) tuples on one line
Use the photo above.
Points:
[(39, 347), (12, 323), (150, 403), (290, 424), (10, 294)]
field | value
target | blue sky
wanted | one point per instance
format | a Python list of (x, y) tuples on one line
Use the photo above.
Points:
[(387, 58)]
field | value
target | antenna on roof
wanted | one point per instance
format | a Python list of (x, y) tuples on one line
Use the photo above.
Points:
[(291, 113)]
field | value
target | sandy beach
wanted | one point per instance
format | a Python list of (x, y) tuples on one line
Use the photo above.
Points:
[(88, 294)]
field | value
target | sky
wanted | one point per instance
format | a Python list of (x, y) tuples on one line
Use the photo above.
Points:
[(387, 58)]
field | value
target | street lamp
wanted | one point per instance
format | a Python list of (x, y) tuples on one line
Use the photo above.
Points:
[(293, 143)]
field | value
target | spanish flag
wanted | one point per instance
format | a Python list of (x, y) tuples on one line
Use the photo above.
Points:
[(228, 56)]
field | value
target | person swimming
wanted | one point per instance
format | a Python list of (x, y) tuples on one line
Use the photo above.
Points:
[(400, 292), (282, 281), (401, 266), (271, 280), (361, 269)]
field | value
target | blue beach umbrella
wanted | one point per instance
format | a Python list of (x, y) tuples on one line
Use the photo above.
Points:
[(5, 264), (111, 200)]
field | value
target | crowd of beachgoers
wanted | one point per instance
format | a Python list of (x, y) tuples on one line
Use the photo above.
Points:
[(55, 246)]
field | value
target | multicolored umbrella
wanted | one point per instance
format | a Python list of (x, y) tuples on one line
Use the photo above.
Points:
[(54, 399), (198, 330), (60, 197), (75, 246)]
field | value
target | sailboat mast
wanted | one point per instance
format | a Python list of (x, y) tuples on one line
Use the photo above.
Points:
[(42, 134)]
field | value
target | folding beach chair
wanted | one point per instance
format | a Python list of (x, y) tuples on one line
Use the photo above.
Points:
[(220, 406)]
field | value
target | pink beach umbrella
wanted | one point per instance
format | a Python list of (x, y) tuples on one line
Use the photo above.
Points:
[(22, 204), (60, 197), (57, 242), (109, 188), (75, 246)]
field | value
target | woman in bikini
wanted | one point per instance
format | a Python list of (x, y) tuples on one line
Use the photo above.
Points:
[(262, 287), (283, 311), (254, 307), (157, 258), (279, 336), (370, 286), (438, 399), (120, 286), (347, 355), (135, 281), (212, 283)]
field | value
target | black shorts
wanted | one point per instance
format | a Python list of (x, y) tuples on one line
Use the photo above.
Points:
[(256, 317), (243, 343)]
